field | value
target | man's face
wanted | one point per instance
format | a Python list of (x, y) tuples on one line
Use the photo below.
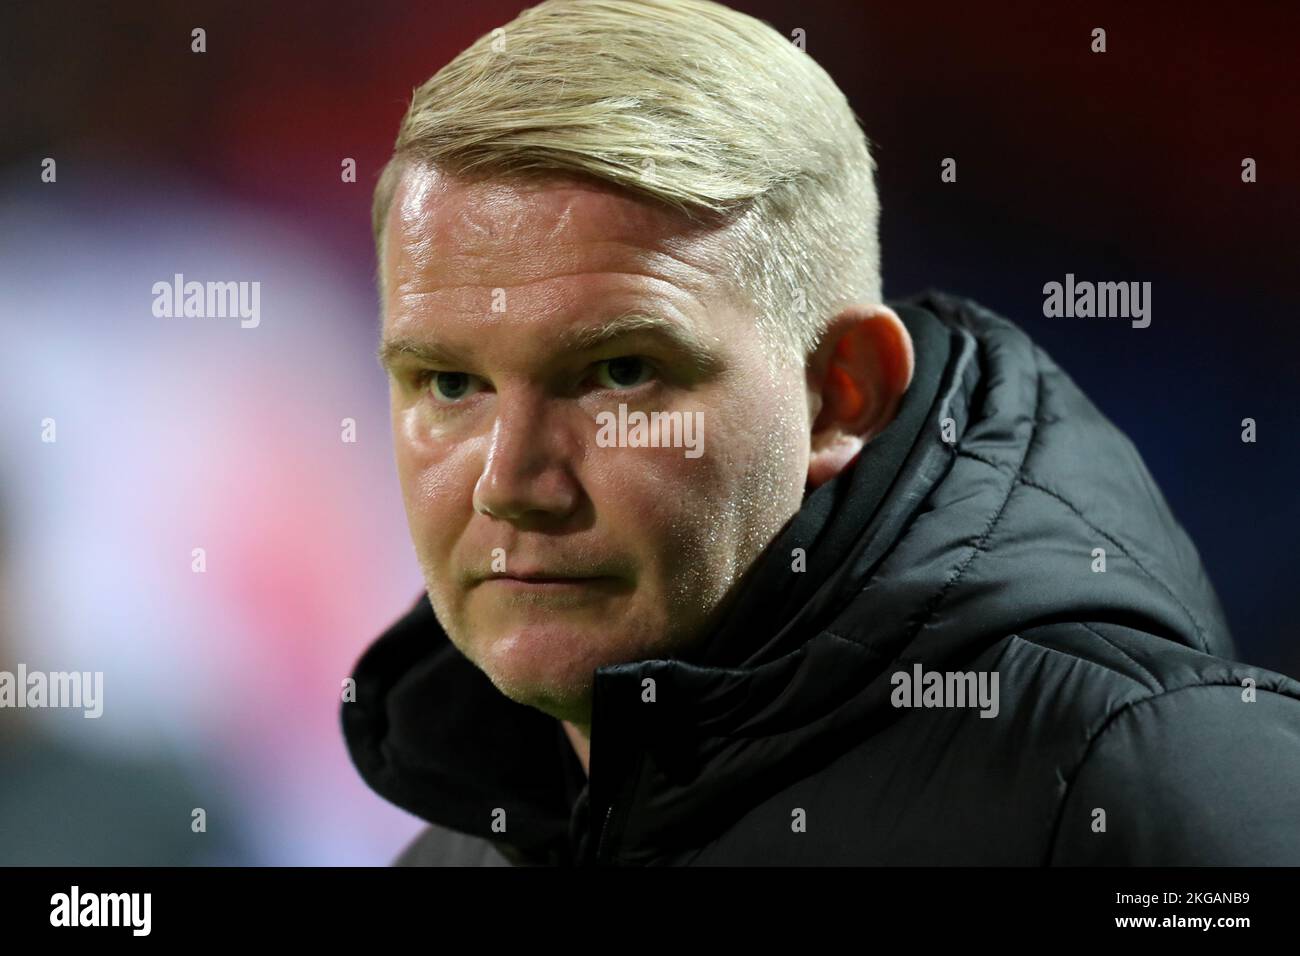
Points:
[(496, 298)]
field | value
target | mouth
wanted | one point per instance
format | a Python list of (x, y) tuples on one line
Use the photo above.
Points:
[(545, 581), (539, 582)]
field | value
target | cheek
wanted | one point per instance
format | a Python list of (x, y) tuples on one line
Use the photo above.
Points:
[(432, 479), (688, 516), (646, 494)]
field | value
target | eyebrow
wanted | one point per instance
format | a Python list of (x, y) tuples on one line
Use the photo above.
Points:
[(586, 339)]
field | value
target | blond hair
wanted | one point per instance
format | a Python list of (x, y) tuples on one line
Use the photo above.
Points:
[(683, 102)]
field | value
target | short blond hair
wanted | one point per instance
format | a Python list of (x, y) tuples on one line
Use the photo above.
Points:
[(683, 102)]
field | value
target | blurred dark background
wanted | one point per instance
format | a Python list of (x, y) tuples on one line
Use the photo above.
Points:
[(1119, 166)]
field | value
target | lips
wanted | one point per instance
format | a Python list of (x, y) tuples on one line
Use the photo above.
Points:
[(542, 574), (540, 582), (558, 571), (543, 577)]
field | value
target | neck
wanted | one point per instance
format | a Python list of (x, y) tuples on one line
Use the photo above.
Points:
[(580, 736)]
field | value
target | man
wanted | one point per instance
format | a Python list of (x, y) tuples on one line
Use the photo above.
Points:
[(726, 560)]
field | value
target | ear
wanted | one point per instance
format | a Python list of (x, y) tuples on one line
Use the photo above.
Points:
[(856, 378)]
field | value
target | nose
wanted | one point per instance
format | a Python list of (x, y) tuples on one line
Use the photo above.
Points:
[(527, 474)]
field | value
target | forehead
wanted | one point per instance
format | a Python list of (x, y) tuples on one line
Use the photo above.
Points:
[(445, 234)]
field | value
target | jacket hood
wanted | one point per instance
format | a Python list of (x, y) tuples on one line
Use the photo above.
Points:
[(976, 514)]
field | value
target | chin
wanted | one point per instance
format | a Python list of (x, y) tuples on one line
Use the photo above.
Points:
[(545, 666)]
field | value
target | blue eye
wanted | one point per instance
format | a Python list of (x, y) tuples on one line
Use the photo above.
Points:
[(451, 386), (624, 372)]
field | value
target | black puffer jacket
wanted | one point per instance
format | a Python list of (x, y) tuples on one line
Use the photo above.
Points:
[(964, 539)]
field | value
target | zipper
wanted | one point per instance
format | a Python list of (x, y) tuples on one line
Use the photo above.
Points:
[(604, 829), (623, 798)]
